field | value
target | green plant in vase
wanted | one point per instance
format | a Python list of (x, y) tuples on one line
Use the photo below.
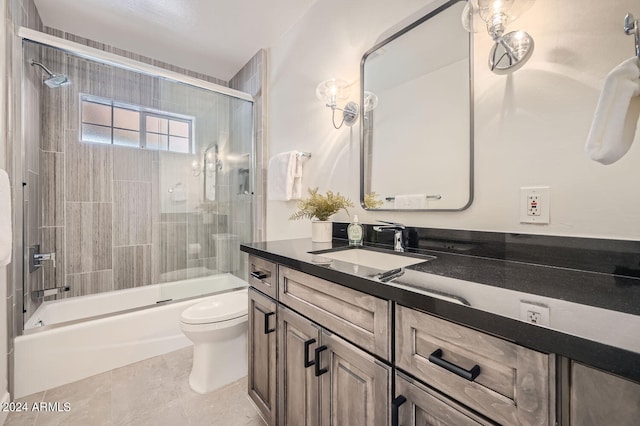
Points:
[(321, 208)]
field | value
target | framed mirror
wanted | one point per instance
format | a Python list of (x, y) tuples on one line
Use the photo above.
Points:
[(417, 123)]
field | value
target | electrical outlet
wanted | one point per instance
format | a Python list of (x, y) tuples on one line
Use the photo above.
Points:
[(534, 204), (534, 313)]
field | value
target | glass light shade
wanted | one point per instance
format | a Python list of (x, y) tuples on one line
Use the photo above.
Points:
[(468, 16), (370, 101), (333, 90), (511, 9), (511, 52)]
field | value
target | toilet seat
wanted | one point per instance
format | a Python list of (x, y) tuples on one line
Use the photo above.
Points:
[(219, 308)]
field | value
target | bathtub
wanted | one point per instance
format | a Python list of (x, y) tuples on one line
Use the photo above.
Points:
[(71, 339)]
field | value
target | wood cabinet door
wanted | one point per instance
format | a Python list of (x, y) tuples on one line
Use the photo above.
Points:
[(599, 398), (355, 388), (418, 405), (298, 387), (262, 354)]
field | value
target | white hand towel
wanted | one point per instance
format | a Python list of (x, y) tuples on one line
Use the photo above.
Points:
[(297, 178), (280, 176), (5, 219), (616, 117), (410, 201)]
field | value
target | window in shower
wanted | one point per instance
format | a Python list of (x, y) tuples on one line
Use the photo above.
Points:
[(115, 123)]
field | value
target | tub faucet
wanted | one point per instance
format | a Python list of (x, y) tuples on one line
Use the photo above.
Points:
[(398, 236), (36, 258)]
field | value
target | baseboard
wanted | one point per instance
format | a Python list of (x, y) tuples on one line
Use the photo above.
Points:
[(6, 398)]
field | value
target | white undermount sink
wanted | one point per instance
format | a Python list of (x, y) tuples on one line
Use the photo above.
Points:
[(374, 259)]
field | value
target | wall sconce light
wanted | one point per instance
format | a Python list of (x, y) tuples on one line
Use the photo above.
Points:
[(510, 50), (370, 101), (209, 164), (332, 91)]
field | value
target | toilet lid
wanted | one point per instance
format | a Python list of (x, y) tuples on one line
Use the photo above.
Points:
[(218, 308)]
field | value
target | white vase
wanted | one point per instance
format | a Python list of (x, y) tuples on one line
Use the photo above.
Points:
[(321, 231)]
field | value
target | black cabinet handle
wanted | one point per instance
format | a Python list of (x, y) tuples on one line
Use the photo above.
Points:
[(260, 275), (268, 330), (395, 405), (436, 358), (319, 371), (308, 343)]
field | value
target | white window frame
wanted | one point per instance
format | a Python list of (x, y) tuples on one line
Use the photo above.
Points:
[(144, 112)]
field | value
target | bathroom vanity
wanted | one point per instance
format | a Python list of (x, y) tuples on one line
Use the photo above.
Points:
[(339, 339)]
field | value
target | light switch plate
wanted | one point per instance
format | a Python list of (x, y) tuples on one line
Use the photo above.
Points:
[(534, 204)]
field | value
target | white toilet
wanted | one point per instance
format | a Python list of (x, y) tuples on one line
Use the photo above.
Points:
[(217, 327)]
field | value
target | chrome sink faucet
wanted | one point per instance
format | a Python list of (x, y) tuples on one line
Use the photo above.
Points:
[(398, 236)]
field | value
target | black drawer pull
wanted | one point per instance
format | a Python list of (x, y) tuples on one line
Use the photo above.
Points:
[(308, 343), (436, 358), (260, 275), (318, 350), (395, 405), (268, 330)]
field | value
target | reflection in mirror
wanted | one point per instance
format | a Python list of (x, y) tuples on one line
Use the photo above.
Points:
[(417, 136)]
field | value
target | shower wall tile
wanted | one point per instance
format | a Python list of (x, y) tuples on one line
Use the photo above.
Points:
[(133, 164), (52, 241), (171, 248), (54, 118), (88, 234), (91, 78), (136, 89), (88, 283), (89, 169), (34, 217), (52, 185), (32, 84), (253, 78), (131, 266), (33, 17), (201, 267), (87, 42), (155, 193), (200, 228), (54, 32), (131, 213)]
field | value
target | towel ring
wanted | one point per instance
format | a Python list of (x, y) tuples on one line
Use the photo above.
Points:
[(631, 27)]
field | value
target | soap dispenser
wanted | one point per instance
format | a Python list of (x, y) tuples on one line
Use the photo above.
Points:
[(355, 232)]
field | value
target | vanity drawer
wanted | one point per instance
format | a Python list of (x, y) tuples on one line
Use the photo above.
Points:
[(262, 276), (513, 385), (363, 319)]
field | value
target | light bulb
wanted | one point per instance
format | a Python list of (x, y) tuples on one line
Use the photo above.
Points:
[(333, 90), (510, 9)]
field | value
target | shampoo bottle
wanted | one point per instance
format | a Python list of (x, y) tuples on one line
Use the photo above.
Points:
[(355, 232)]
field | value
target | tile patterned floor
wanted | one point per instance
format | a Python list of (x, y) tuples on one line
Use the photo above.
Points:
[(151, 392)]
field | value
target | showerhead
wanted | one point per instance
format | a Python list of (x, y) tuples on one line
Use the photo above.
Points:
[(54, 80), (57, 81)]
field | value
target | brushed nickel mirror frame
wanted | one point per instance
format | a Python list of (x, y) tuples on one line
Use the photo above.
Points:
[(365, 186)]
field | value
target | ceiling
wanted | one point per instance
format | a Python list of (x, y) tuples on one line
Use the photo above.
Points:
[(214, 37)]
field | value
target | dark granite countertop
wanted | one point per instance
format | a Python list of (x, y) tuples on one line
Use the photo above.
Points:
[(594, 316)]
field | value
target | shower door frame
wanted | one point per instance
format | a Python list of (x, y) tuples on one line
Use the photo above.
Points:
[(86, 52), (109, 58)]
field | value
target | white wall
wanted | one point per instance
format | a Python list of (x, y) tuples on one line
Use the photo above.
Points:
[(4, 394), (530, 127)]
